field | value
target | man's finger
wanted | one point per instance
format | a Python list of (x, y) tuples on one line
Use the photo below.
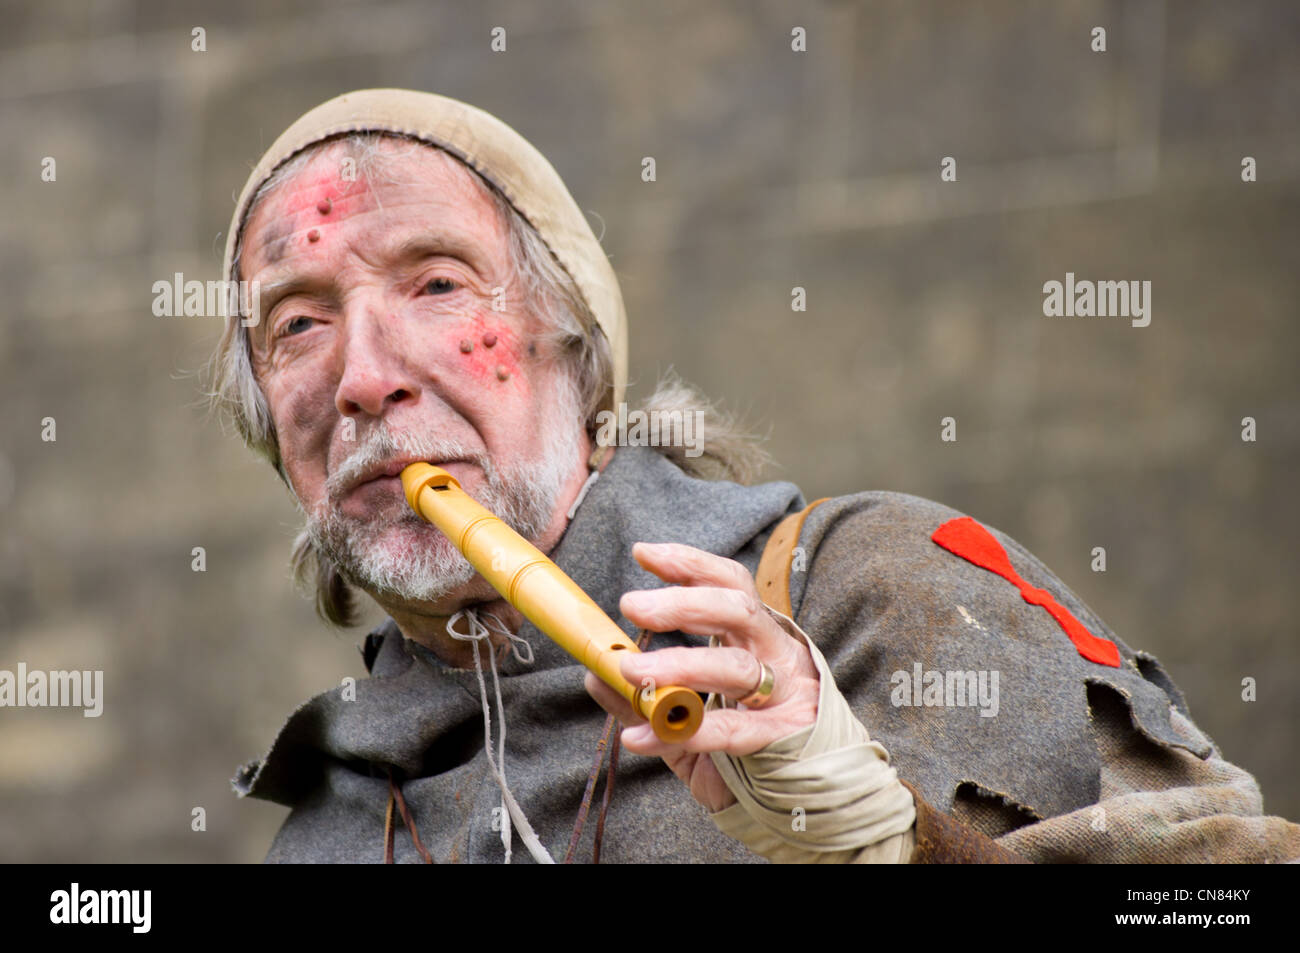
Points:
[(687, 566), (738, 618), (731, 672), (724, 729), (610, 700)]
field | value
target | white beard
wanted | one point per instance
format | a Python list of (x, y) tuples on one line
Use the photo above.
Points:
[(393, 552)]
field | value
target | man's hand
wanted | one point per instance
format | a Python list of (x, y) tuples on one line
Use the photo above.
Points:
[(713, 596)]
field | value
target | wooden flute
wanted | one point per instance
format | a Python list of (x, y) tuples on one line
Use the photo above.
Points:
[(547, 597)]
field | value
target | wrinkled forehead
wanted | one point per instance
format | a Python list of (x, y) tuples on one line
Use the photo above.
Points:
[(333, 179)]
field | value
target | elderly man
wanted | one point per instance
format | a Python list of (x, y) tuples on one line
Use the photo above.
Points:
[(898, 683)]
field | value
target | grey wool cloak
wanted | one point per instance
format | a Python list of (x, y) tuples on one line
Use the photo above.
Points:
[(1078, 761)]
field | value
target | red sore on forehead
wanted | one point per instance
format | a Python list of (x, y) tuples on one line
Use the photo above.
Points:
[(326, 185), (326, 188)]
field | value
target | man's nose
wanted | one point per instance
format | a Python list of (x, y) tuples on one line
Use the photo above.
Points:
[(376, 373)]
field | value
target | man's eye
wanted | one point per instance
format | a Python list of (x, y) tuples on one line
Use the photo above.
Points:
[(440, 286), (298, 325)]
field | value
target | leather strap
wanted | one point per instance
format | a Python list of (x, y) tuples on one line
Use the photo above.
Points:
[(773, 575), (942, 839)]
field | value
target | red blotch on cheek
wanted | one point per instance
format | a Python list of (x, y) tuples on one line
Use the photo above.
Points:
[(491, 364)]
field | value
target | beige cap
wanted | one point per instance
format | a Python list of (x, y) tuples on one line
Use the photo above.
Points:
[(496, 152)]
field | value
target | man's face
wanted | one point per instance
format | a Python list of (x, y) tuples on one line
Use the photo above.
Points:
[(379, 344)]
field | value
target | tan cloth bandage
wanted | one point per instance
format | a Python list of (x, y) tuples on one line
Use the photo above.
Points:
[(824, 794)]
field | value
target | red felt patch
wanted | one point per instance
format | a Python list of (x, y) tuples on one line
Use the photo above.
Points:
[(968, 539)]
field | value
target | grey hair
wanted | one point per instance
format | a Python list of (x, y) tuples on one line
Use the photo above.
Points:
[(568, 329), (729, 451)]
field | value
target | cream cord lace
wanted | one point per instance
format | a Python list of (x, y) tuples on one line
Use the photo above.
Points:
[(479, 632)]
